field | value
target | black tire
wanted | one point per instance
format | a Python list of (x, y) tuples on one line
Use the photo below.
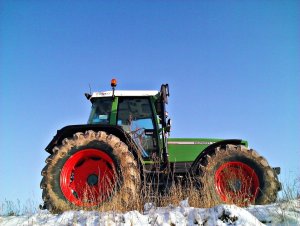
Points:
[(212, 170), (126, 172)]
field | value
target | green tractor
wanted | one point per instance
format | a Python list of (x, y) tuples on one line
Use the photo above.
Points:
[(126, 144)]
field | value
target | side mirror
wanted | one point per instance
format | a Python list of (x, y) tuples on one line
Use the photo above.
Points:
[(88, 96), (169, 125), (164, 90)]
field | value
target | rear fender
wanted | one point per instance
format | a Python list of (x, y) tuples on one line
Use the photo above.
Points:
[(210, 149)]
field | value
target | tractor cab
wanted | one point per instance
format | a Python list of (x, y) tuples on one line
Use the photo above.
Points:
[(141, 114)]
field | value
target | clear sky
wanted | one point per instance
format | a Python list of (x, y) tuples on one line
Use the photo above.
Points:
[(233, 68)]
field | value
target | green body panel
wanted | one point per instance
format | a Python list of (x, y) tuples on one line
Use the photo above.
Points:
[(188, 149)]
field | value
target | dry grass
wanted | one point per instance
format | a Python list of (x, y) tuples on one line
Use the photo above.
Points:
[(11, 208), (199, 197), (290, 190), (150, 193)]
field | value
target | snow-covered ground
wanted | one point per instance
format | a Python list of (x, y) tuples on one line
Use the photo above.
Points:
[(276, 214)]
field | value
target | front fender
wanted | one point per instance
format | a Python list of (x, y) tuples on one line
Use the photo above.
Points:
[(210, 149)]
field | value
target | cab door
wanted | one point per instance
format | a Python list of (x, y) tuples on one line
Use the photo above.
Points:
[(135, 115)]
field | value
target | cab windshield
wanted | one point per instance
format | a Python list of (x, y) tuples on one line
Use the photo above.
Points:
[(101, 109)]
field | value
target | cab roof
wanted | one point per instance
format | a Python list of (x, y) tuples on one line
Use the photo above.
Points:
[(124, 93)]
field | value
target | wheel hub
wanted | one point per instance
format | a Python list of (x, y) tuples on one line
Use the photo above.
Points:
[(235, 185), (92, 180)]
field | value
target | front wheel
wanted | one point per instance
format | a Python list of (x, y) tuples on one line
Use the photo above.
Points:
[(237, 175)]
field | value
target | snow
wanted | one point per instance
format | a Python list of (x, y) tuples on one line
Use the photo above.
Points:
[(287, 213)]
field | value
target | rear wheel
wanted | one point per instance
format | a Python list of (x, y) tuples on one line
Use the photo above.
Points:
[(237, 175), (88, 171)]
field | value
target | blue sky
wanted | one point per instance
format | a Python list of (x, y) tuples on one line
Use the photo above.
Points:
[(232, 66)]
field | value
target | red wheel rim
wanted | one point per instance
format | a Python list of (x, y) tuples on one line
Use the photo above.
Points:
[(88, 177), (237, 182)]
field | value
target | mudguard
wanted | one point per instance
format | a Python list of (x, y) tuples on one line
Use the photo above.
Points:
[(118, 131), (211, 148), (68, 131)]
